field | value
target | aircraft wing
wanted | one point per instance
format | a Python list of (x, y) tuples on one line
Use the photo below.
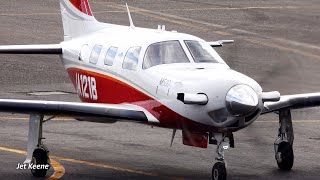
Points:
[(31, 49), (297, 101), (81, 111), (219, 43)]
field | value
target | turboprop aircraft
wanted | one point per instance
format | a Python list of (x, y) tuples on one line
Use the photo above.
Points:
[(155, 77)]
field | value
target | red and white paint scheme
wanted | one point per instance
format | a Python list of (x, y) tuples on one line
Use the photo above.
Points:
[(156, 77)]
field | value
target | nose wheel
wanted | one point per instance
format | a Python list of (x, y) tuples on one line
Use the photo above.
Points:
[(219, 170), (284, 156)]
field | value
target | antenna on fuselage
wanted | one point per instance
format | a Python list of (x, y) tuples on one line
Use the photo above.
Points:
[(129, 15)]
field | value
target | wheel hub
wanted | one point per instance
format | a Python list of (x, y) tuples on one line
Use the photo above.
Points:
[(215, 174), (279, 158)]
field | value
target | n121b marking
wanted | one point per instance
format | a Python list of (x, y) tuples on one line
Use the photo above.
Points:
[(86, 86)]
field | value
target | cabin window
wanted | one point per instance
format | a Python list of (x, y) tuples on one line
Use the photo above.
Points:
[(95, 54), (83, 51), (110, 55), (131, 59), (167, 52), (202, 52)]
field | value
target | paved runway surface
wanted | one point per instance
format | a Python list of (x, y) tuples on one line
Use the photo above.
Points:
[(276, 42)]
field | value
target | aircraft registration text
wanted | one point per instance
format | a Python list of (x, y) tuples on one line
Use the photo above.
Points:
[(86, 86)]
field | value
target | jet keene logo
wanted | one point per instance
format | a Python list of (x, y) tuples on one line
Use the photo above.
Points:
[(86, 86), (33, 166)]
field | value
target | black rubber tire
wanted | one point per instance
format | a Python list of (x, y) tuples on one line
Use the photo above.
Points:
[(41, 157), (219, 171), (287, 157)]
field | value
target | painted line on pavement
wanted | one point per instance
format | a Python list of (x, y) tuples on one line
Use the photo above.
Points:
[(57, 13), (232, 8), (156, 16), (27, 14), (201, 25), (263, 42), (59, 169), (117, 168)]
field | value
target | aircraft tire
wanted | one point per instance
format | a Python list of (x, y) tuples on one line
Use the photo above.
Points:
[(286, 159), (40, 156), (219, 171)]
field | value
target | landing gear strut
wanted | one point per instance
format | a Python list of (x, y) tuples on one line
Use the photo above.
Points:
[(219, 171), (37, 152), (283, 144)]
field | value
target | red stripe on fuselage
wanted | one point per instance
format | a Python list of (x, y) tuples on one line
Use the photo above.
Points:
[(114, 91), (82, 5)]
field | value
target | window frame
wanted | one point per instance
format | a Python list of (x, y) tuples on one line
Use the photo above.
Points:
[(113, 58), (98, 54), (124, 58), (175, 40), (217, 59), (82, 52)]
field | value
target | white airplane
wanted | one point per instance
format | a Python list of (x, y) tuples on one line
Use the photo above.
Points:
[(156, 77)]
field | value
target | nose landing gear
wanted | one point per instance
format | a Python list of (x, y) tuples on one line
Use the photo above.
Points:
[(283, 144), (219, 171)]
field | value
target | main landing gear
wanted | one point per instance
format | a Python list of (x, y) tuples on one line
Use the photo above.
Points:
[(219, 171), (38, 155), (283, 144)]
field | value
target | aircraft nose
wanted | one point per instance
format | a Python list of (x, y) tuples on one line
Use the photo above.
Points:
[(241, 100)]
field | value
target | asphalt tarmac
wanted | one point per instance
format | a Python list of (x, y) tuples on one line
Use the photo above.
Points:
[(276, 42)]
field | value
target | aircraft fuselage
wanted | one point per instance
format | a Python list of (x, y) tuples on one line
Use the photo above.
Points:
[(104, 69)]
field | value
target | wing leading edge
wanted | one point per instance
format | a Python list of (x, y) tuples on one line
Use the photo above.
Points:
[(297, 101), (77, 110), (31, 49)]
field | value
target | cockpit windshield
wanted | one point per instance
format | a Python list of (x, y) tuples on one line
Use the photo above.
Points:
[(203, 53), (167, 52)]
